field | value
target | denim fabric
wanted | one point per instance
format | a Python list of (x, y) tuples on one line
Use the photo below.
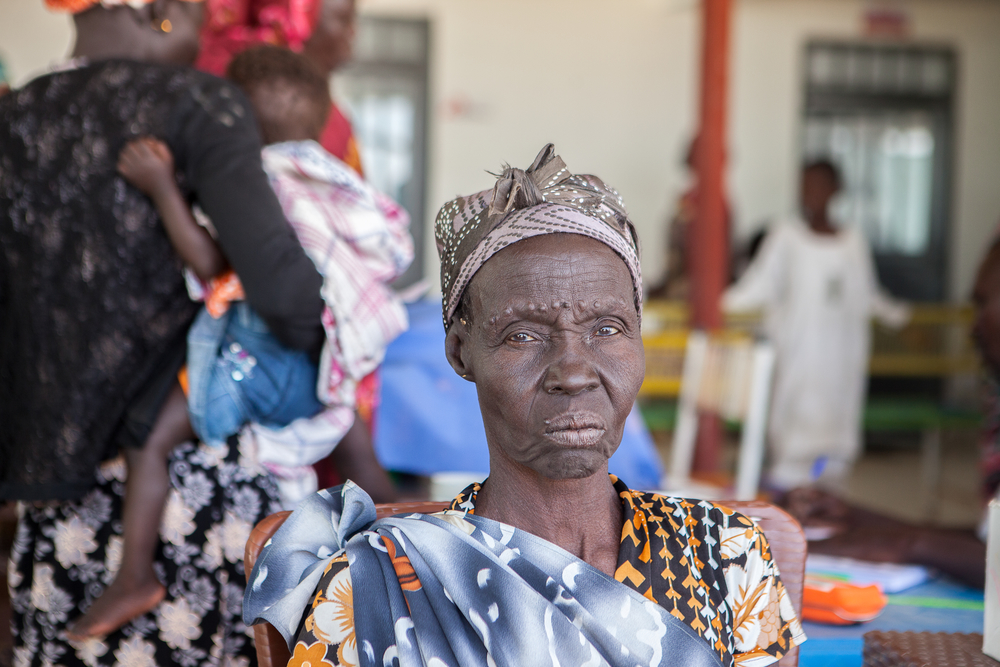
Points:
[(238, 373)]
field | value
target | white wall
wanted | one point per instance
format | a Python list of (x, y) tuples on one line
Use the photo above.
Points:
[(31, 38), (613, 84), (610, 83)]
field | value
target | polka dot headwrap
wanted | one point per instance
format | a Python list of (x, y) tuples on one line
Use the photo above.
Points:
[(543, 199)]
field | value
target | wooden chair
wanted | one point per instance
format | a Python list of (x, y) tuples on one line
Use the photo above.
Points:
[(788, 545)]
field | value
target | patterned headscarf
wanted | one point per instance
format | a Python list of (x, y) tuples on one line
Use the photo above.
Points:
[(543, 199), (77, 6)]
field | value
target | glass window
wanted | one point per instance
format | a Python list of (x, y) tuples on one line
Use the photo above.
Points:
[(887, 165), (384, 91), (882, 114)]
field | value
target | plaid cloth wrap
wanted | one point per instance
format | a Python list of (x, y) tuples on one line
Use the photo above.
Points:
[(359, 241)]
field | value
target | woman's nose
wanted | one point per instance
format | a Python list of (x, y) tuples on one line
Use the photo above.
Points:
[(571, 372)]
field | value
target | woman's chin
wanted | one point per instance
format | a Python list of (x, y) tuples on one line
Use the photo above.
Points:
[(574, 464)]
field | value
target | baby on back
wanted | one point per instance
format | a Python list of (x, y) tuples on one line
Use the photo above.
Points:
[(239, 378), (357, 237)]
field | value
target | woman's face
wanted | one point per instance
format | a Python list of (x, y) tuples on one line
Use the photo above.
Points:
[(818, 188), (554, 348), (332, 40)]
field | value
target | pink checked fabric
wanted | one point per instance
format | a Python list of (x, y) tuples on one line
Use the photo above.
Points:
[(359, 241)]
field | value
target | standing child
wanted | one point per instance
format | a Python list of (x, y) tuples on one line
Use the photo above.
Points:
[(237, 372), (818, 288)]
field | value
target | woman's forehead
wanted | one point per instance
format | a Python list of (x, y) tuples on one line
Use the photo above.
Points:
[(554, 268), (553, 255)]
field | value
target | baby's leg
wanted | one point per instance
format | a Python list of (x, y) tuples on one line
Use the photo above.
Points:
[(355, 459), (136, 588)]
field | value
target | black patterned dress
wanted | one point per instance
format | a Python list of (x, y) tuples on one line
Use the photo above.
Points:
[(93, 318), (66, 552)]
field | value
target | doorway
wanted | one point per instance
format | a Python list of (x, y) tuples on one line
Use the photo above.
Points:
[(883, 114)]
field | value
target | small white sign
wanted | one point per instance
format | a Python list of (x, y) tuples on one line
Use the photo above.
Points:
[(991, 617)]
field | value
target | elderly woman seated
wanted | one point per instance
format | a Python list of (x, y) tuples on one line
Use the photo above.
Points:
[(550, 560)]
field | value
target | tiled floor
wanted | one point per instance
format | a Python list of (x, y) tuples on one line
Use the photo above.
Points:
[(888, 480)]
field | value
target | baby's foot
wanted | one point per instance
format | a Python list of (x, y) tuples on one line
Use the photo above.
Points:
[(117, 605)]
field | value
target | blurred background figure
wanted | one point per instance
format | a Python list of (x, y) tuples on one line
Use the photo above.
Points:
[(860, 533), (322, 30), (986, 331), (818, 289), (676, 282)]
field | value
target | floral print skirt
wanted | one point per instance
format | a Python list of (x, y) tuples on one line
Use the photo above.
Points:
[(65, 553)]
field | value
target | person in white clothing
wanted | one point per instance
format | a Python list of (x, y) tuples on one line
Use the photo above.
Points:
[(817, 286)]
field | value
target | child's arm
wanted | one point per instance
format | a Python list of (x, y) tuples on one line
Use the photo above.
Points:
[(148, 165)]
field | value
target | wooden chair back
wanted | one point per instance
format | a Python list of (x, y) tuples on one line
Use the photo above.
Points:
[(788, 546), (728, 374)]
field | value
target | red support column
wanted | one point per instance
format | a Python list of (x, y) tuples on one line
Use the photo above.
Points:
[(709, 241)]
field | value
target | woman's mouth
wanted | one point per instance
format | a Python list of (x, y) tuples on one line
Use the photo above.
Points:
[(577, 430)]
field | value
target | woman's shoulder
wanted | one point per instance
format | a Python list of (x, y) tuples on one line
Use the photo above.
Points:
[(159, 84), (144, 94), (693, 517), (126, 74), (662, 505)]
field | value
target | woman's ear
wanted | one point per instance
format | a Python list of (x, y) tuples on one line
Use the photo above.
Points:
[(156, 12), (176, 27), (456, 348)]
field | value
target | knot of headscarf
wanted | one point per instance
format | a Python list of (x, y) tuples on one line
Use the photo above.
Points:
[(517, 188), (545, 198)]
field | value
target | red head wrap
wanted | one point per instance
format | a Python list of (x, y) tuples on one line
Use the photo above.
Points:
[(232, 26)]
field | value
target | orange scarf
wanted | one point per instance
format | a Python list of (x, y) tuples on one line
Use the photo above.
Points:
[(77, 6)]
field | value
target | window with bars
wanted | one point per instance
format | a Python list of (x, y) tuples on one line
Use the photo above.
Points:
[(883, 114)]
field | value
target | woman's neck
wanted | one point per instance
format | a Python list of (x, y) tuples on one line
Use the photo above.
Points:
[(583, 516), (103, 34)]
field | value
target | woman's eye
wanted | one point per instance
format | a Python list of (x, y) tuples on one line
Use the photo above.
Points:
[(608, 330), (521, 337)]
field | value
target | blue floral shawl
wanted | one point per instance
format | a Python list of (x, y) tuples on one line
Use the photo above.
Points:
[(453, 589)]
